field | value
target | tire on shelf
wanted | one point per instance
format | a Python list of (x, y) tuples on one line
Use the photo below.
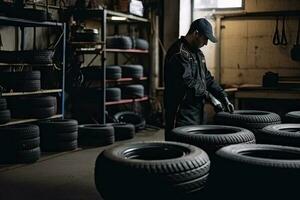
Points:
[(5, 116), (113, 94), (132, 91), (131, 118), (3, 104), (119, 42), (113, 72), (141, 44), (132, 71), (172, 171), (261, 167), (210, 138)]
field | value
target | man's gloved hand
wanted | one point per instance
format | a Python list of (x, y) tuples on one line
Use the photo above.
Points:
[(228, 106), (216, 103)]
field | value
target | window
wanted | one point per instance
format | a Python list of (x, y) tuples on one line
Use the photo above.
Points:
[(218, 4)]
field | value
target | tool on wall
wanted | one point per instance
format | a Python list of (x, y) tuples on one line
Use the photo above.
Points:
[(295, 51), (277, 40)]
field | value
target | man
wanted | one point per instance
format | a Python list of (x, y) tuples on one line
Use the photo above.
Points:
[(187, 79)]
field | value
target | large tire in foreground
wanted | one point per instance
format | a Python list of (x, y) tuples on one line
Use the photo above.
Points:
[(282, 134), (154, 170), (210, 138), (256, 170), (249, 119)]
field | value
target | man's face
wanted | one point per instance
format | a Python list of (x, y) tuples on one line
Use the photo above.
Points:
[(199, 40)]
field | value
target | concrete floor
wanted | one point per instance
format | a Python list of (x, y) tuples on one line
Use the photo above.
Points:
[(59, 176)]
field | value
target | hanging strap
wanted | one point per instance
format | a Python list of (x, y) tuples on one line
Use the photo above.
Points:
[(298, 32), (276, 38), (283, 40)]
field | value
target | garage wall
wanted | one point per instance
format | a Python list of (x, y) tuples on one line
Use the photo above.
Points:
[(247, 51)]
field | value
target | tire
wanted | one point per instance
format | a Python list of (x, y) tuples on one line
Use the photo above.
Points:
[(27, 75), (38, 56), (96, 135), (123, 131), (119, 42), (58, 126), (281, 134), (141, 44), (59, 146), (28, 156), (261, 167), (27, 85), (40, 113), (292, 117), (113, 72), (20, 132), (210, 138), (86, 35), (40, 101), (132, 71), (249, 119), (172, 171), (113, 94), (5, 116), (132, 91), (131, 118), (3, 104)]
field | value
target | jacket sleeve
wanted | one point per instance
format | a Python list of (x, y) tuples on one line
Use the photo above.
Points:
[(213, 87), (192, 84)]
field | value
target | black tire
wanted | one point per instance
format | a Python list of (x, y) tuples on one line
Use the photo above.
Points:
[(38, 56), (281, 134), (131, 118), (210, 138), (40, 101), (249, 119), (141, 44), (113, 72), (132, 71), (3, 104), (41, 113), (27, 75), (86, 35), (28, 144), (27, 85), (5, 116), (59, 146), (172, 171), (123, 131), (269, 170), (96, 135), (119, 42), (113, 94), (20, 132), (58, 126), (292, 117), (132, 91)]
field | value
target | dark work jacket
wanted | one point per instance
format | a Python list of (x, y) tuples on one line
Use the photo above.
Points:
[(187, 81)]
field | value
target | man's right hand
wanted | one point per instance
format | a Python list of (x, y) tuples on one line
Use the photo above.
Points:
[(216, 103)]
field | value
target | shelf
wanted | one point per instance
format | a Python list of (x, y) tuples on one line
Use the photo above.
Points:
[(9, 21), (25, 64), (127, 51), (22, 121), (124, 101), (31, 93), (127, 79), (286, 13), (127, 16), (89, 50), (86, 43)]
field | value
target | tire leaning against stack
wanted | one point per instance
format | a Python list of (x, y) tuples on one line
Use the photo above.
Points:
[(96, 135), (156, 170), (129, 117), (252, 120), (19, 144), (59, 135)]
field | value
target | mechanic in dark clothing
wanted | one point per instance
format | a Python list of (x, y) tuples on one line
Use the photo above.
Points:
[(187, 79)]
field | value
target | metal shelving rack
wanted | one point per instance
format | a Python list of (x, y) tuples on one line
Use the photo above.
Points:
[(103, 15), (21, 23)]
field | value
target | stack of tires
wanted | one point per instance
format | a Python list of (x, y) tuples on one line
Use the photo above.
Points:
[(26, 81), (156, 170), (19, 144), (123, 131), (38, 107), (5, 114), (96, 135), (59, 135)]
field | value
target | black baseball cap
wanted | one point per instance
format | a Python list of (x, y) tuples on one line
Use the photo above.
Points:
[(204, 27)]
